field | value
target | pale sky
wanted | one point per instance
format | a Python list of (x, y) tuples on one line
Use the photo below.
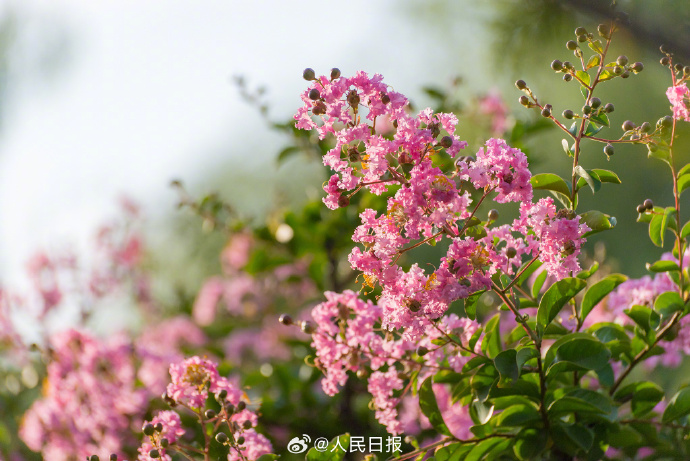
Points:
[(144, 95)]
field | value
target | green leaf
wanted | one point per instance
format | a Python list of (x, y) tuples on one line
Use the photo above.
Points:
[(471, 304), (585, 274), (491, 344), (529, 443), (579, 435), (666, 304), (598, 291), (287, 153), (606, 75), (685, 170), (678, 407), (601, 118), (593, 61), (556, 297), (517, 415), (686, 230), (665, 222), (527, 271), (570, 404), (655, 230), (335, 451), (606, 176), (645, 396), (584, 76), (683, 183), (644, 317), (506, 364), (538, 284), (580, 354), (482, 448), (581, 172), (475, 338), (474, 362), (597, 221), (663, 266), (549, 181), (566, 147), (595, 45), (428, 405), (592, 129), (452, 452)]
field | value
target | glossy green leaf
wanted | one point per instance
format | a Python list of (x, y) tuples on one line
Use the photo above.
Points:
[(601, 118), (538, 284), (452, 452), (570, 404), (665, 222), (579, 435), (584, 76), (491, 344), (683, 171), (335, 451), (663, 266), (585, 274), (549, 181), (644, 317), (683, 183), (482, 448), (597, 221), (518, 415), (666, 304), (471, 304), (506, 364), (606, 176), (606, 75), (678, 407), (598, 291), (644, 396), (592, 129), (596, 46), (428, 405), (529, 443), (580, 354), (686, 230), (655, 230), (593, 183), (556, 297)]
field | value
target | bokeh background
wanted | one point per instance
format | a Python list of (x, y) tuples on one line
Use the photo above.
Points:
[(105, 99)]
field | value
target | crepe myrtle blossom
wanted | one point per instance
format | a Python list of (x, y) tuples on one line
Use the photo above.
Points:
[(679, 97), (163, 430)]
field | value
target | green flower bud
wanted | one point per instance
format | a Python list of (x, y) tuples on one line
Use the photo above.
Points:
[(665, 61), (240, 440), (158, 427), (604, 30), (666, 121), (618, 70), (247, 425), (546, 111), (556, 65), (511, 252), (641, 209), (113, 457), (678, 67), (286, 320), (608, 149), (637, 67), (524, 100), (222, 437), (571, 45), (567, 77), (335, 73), (622, 60), (568, 114), (625, 74), (93, 458), (314, 94), (221, 395), (521, 85), (608, 108), (422, 351), (307, 326), (634, 137), (241, 405), (628, 125), (686, 70), (595, 103), (646, 127), (581, 38), (309, 74), (446, 141), (568, 65), (580, 31), (413, 305), (493, 215), (586, 109), (210, 414), (154, 453), (148, 429), (648, 204)]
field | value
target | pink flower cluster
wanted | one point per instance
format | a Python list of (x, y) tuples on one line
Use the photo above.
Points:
[(90, 399), (171, 430), (679, 97), (348, 339)]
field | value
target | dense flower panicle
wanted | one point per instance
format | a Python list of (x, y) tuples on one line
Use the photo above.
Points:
[(556, 237), (502, 168), (382, 386), (192, 380), (255, 445), (679, 97)]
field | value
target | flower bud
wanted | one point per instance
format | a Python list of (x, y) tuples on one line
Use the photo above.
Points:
[(581, 38), (511, 252), (385, 98), (210, 414), (569, 248), (93, 458), (286, 320), (678, 67), (221, 395), (113, 457), (604, 31), (422, 351), (567, 77), (165, 443), (353, 98), (595, 103), (335, 73), (646, 127), (413, 305), (524, 100), (247, 425), (154, 453), (666, 121), (608, 108), (628, 125), (343, 201), (608, 149), (637, 67), (580, 31), (641, 208), (557, 65), (625, 74), (446, 141), (622, 60), (307, 326), (242, 404), (617, 70), (221, 437), (521, 85), (546, 111), (148, 429), (362, 373), (158, 427), (240, 440), (686, 70), (568, 65), (663, 49), (571, 45), (319, 108), (586, 109), (314, 94), (648, 204), (309, 74), (568, 114), (634, 137), (665, 61), (493, 215)]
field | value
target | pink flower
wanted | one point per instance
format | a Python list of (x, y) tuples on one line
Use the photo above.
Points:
[(172, 430), (678, 96)]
